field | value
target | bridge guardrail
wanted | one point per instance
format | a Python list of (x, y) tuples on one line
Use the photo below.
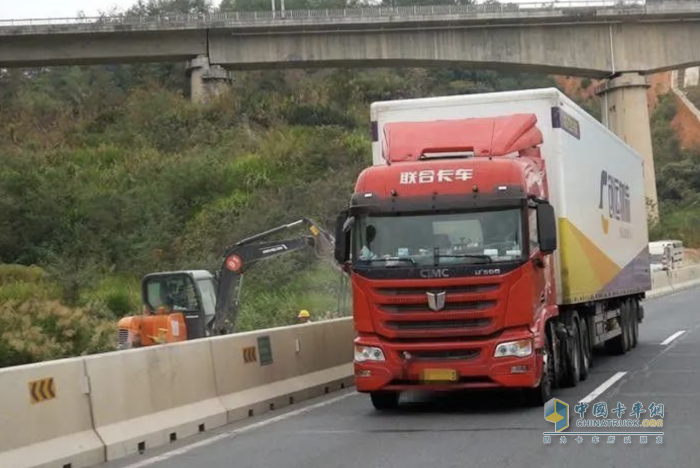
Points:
[(617, 6)]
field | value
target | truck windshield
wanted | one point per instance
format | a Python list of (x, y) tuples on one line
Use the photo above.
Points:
[(438, 238)]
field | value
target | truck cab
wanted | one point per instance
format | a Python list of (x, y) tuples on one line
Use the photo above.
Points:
[(449, 250)]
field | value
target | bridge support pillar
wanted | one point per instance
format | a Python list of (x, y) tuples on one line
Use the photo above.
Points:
[(207, 81), (626, 113)]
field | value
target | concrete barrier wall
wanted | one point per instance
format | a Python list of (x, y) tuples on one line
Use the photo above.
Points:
[(112, 405), (668, 282), (45, 417), (306, 360), (147, 397)]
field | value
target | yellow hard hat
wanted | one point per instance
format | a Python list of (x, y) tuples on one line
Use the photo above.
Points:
[(304, 314)]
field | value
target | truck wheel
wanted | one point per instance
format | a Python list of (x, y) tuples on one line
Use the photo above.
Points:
[(585, 350), (628, 323), (385, 400), (635, 322), (541, 394), (572, 352), (619, 344)]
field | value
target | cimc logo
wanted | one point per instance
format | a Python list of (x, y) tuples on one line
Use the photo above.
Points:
[(614, 200), (557, 412)]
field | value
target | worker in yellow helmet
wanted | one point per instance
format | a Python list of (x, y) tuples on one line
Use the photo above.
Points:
[(304, 316)]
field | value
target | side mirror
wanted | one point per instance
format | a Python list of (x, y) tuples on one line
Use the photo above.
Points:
[(342, 237), (546, 228)]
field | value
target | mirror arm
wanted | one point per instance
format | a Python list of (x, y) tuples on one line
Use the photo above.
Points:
[(537, 261)]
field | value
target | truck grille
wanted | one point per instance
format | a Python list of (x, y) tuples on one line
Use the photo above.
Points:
[(438, 324), (444, 355), (122, 336), (468, 310), (449, 307)]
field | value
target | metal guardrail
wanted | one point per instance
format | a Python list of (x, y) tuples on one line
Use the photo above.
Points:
[(620, 6)]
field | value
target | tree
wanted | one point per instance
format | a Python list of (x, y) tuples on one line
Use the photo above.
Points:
[(159, 7)]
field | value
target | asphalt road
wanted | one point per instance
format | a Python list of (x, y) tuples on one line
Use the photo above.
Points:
[(477, 430)]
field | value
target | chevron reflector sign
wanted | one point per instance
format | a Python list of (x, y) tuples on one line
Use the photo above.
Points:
[(249, 355), (42, 390)]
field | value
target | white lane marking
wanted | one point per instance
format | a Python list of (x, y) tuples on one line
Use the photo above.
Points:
[(602, 387), (672, 337), (235, 432)]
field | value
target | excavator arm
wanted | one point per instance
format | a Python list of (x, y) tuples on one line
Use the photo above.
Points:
[(239, 257)]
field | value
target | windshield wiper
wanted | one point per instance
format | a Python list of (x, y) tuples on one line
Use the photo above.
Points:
[(479, 256), (391, 259)]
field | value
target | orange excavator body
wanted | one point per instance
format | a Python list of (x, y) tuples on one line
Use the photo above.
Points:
[(153, 329)]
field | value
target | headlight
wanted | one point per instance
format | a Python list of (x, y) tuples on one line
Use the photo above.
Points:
[(520, 348), (368, 353)]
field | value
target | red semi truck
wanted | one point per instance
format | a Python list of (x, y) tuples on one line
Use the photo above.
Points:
[(494, 242)]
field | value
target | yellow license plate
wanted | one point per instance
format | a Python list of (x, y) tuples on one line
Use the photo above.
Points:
[(440, 375)]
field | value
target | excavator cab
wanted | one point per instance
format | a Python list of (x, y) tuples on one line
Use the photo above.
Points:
[(178, 305), (190, 293)]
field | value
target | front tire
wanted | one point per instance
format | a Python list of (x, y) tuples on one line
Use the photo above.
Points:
[(383, 401), (541, 394)]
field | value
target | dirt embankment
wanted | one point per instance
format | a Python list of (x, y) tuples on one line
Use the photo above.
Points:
[(584, 88), (687, 126), (686, 123)]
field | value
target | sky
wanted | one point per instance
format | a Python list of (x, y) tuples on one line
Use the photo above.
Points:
[(18, 9), (22, 9), (14, 9)]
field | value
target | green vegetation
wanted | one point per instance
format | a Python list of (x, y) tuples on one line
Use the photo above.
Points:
[(110, 172), (678, 180)]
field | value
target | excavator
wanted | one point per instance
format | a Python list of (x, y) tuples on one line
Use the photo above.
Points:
[(190, 304)]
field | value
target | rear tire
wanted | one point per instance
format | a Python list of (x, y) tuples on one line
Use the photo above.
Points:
[(385, 400), (628, 324), (619, 344), (571, 358), (635, 322), (586, 354), (541, 394)]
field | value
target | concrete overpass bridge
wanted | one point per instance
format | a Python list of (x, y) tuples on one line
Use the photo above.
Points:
[(580, 38), (621, 41)]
